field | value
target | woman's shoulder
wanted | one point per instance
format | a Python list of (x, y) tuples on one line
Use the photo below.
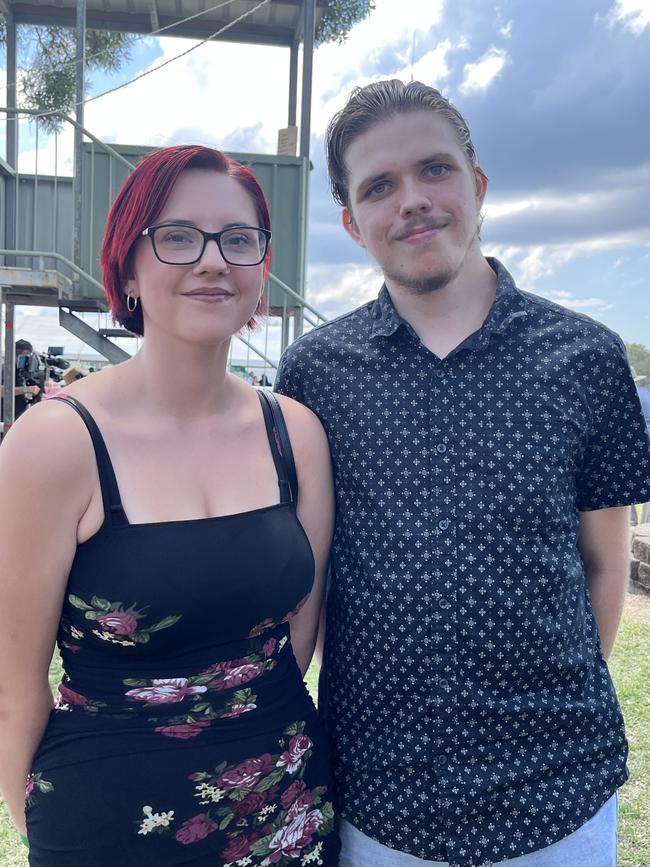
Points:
[(307, 435), (48, 441)]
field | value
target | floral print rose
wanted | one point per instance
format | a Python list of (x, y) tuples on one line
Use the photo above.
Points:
[(272, 823), (165, 690), (117, 624), (36, 781)]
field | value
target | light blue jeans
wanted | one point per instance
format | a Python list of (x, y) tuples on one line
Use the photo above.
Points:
[(592, 845)]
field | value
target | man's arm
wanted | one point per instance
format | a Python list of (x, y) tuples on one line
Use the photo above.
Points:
[(604, 543)]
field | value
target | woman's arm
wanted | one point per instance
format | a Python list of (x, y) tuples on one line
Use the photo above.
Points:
[(45, 487), (315, 513)]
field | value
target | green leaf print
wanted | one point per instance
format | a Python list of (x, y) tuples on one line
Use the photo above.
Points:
[(139, 637), (103, 604), (79, 603), (92, 615), (273, 778), (227, 819), (133, 681), (164, 623)]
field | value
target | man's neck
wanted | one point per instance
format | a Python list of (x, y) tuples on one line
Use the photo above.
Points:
[(445, 317)]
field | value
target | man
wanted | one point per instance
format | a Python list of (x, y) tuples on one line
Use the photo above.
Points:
[(486, 445), (23, 392)]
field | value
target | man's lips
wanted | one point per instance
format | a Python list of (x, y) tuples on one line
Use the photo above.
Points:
[(421, 232)]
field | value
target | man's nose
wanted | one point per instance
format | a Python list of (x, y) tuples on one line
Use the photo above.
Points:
[(415, 200)]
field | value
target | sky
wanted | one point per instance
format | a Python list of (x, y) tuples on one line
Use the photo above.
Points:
[(556, 97)]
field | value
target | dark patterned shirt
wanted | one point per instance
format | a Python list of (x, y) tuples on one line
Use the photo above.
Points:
[(471, 712)]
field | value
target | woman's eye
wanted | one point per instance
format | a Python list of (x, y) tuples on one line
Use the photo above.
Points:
[(237, 240), (177, 238)]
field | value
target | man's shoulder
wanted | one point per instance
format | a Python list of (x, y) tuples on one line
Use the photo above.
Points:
[(354, 325), (573, 323)]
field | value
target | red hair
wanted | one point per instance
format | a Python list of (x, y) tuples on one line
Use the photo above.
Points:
[(138, 204)]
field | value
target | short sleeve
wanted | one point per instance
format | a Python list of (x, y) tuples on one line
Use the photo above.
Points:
[(615, 469), (288, 379)]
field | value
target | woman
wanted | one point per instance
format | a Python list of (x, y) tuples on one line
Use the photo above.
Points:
[(165, 553)]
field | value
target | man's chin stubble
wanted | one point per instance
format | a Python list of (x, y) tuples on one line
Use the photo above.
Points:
[(422, 285)]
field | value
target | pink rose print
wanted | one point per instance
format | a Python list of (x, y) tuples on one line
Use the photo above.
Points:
[(291, 839), (195, 829), (237, 710), (29, 788), (165, 690), (118, 622), (254, 802), (295, 790), (268, 647), (69, 696), (235, 675), (184, 731), (238, 847), (301, 805), (246, 774), (298, 746)]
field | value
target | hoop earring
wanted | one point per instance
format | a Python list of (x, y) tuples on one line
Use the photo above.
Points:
[(130, 299)]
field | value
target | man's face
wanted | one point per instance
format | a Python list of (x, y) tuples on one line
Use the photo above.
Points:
[(414, 201)]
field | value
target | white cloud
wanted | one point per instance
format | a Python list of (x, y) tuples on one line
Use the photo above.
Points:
[(633, 15), (535, 262), (480, 75), (335, 289), (506, 30)]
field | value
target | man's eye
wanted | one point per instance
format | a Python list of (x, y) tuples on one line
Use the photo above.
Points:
[(378, 189), (437, 170)]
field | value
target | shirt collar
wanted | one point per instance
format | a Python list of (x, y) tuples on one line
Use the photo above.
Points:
[(508, 306)]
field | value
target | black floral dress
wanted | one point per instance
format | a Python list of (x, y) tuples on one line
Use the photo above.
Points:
[(183, 734)]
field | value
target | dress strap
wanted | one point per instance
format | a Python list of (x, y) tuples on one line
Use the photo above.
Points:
[(113, 510), (276, 430)]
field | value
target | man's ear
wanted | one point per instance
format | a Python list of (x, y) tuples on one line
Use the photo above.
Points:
[(351, 227), (481, 180)]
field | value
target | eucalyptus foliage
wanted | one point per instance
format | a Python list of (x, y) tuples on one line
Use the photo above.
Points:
[(48, 68), (339, 18)]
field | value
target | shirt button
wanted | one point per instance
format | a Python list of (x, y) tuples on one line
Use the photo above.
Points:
[(442, 448), (439, 372), (444, 523), (440, 761), (444, 684), (444, 603)]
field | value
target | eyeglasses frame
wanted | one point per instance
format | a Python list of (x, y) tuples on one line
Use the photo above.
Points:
[(207, 236)]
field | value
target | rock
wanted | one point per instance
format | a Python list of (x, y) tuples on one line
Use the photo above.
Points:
[(643, 575), (641, 548)]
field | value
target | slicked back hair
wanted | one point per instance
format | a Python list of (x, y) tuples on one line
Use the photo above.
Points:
[(374, 103)]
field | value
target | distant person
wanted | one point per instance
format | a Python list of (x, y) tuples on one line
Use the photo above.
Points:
[(184, 733), (487, 444), (25, 390)]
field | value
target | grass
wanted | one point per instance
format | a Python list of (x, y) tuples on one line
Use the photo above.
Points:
[(630, 667)]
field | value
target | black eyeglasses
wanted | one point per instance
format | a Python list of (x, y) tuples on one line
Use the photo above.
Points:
[(184, 245)]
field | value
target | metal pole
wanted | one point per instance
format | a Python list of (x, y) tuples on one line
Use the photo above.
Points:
[(9, 368), (293, 83), (78, 134), (307, 67), (11, 183)]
